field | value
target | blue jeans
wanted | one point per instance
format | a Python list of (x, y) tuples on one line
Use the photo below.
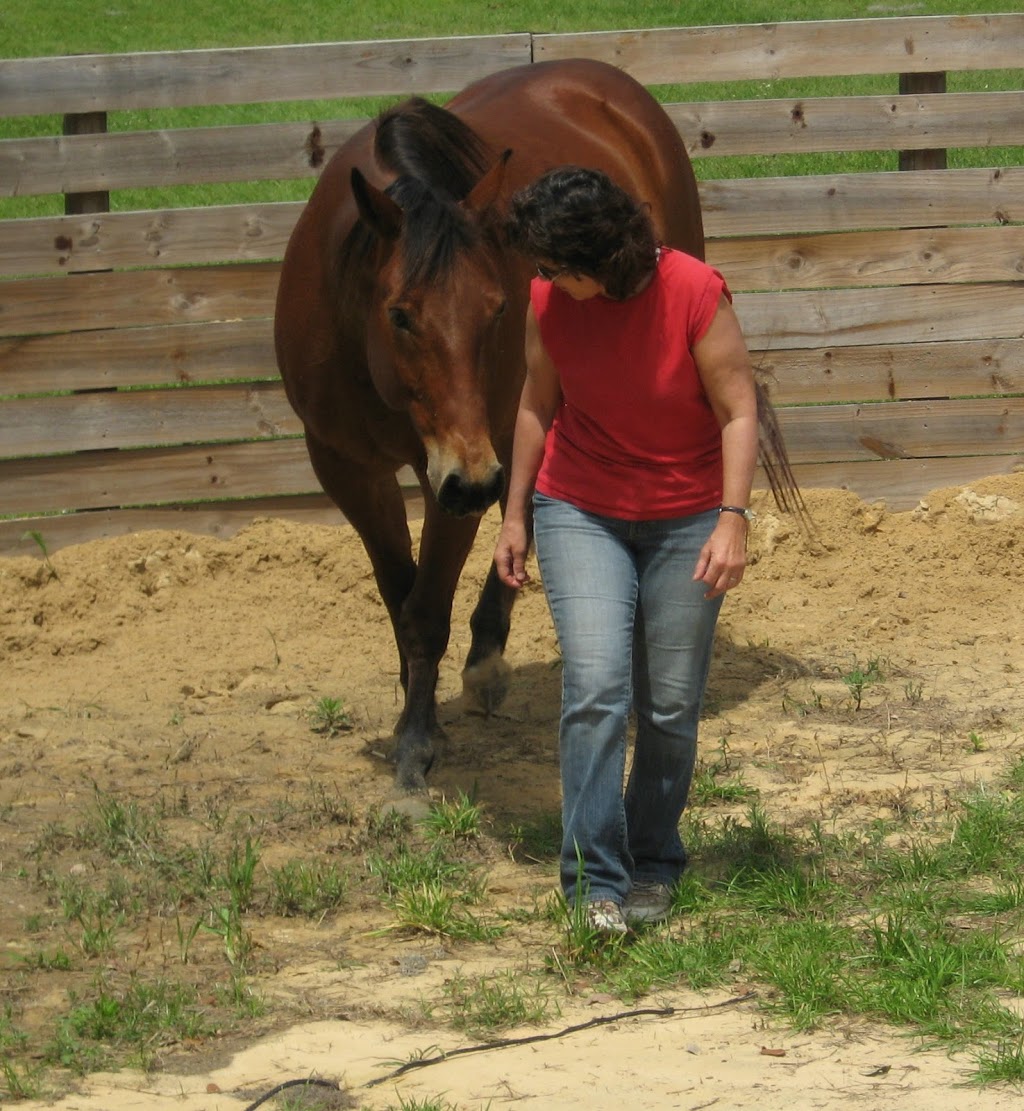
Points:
[(635, 631)]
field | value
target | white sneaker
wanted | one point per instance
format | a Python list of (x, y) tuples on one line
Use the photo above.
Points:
[(648, 902), (605, 917)]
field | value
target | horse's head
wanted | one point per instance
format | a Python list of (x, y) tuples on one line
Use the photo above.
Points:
[(433, 323)]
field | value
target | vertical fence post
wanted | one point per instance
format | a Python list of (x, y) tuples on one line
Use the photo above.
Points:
[(910, 85), (83, 204), (80, 204), (933, 158)]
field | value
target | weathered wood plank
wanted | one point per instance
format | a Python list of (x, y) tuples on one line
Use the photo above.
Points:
[(117, 419), (904, 429), (899, 314), (744, 127), (853, 202), (894, 372), (216, 519), (90, 479), (243, 75), (861, 259), (87, 83), (900, 483), (88, 301), (739, 207), (212, 235), (201, 155), (102, 479), (811, 49), (164, 355), (195, 353), (184, 156), (772, 321)]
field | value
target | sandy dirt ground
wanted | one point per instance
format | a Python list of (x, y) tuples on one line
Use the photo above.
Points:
[(178, 671)]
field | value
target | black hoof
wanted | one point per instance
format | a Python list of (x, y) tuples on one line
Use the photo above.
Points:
[(413, 767)]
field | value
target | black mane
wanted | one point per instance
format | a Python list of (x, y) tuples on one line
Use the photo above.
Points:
[(437, 160)]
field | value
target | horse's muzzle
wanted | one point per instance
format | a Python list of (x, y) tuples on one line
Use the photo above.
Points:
[(462, 498)]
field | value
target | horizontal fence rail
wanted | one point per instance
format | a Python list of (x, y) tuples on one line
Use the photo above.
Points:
[(761, 208), (247, 75), (202, 156), (884, 310)]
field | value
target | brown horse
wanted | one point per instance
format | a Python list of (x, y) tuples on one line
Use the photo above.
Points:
[(399, 331)]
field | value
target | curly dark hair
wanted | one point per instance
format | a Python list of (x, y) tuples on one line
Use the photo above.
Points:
[(581, 220)]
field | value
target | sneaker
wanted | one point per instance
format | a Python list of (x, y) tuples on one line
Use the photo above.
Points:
[(605, 917), (648, 902)]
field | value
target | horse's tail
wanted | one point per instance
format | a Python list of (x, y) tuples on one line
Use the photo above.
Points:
[(774, 458)]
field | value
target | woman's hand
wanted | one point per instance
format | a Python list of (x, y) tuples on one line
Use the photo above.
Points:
[(510, 554), (723, 558)]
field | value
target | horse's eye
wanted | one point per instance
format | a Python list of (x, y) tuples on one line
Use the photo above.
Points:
[(500, 311), (400, 318)]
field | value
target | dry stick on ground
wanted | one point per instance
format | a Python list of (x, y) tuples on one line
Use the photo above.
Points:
[(504, 1043)]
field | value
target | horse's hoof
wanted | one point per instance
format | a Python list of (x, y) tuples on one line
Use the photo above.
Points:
[(487, 682), (415, 806), (410, 781), (411, 774)]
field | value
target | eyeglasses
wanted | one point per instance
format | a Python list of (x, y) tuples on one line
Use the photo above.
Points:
[(548, 273)]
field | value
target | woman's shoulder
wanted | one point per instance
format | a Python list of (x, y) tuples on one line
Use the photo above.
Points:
[(689, 275), (679, 262), (694, 288)]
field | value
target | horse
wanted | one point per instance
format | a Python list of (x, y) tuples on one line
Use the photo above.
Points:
[(399, 332)]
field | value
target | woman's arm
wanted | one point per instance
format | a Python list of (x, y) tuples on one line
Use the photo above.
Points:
[(537, 406), (723, 363)]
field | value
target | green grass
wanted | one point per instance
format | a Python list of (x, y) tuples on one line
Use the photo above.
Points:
[(917, 925), (485, 1006), (430, 891), (537, 838), (28, 29), (712, 781), (459, 819), (860, 677), (429, 1103), (126, 1025), (839, 927), (308, 888), (329, 717)]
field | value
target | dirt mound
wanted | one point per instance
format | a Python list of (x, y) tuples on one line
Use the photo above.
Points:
[(868, 670)]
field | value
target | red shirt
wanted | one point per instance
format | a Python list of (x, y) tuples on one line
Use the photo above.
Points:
[(634, 436)]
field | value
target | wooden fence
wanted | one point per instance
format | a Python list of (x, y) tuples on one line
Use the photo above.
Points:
[(137, 375)]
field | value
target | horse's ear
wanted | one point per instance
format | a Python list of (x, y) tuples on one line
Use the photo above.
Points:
[(486, 190), (376, 207)]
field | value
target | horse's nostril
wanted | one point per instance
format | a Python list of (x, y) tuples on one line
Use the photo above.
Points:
[(462, 498)]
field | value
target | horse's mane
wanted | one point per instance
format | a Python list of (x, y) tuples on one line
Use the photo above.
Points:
[(437, 159)]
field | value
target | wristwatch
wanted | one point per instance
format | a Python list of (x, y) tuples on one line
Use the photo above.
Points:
[(748, 515)]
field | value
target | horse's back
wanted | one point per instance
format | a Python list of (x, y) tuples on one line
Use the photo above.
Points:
[(593, 114)]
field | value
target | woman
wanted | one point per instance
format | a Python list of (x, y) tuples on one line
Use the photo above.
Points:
[(636, 440)]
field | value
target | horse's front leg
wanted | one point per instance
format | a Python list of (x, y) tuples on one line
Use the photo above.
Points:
[(372, 502), (486, 676), (423, 629)]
